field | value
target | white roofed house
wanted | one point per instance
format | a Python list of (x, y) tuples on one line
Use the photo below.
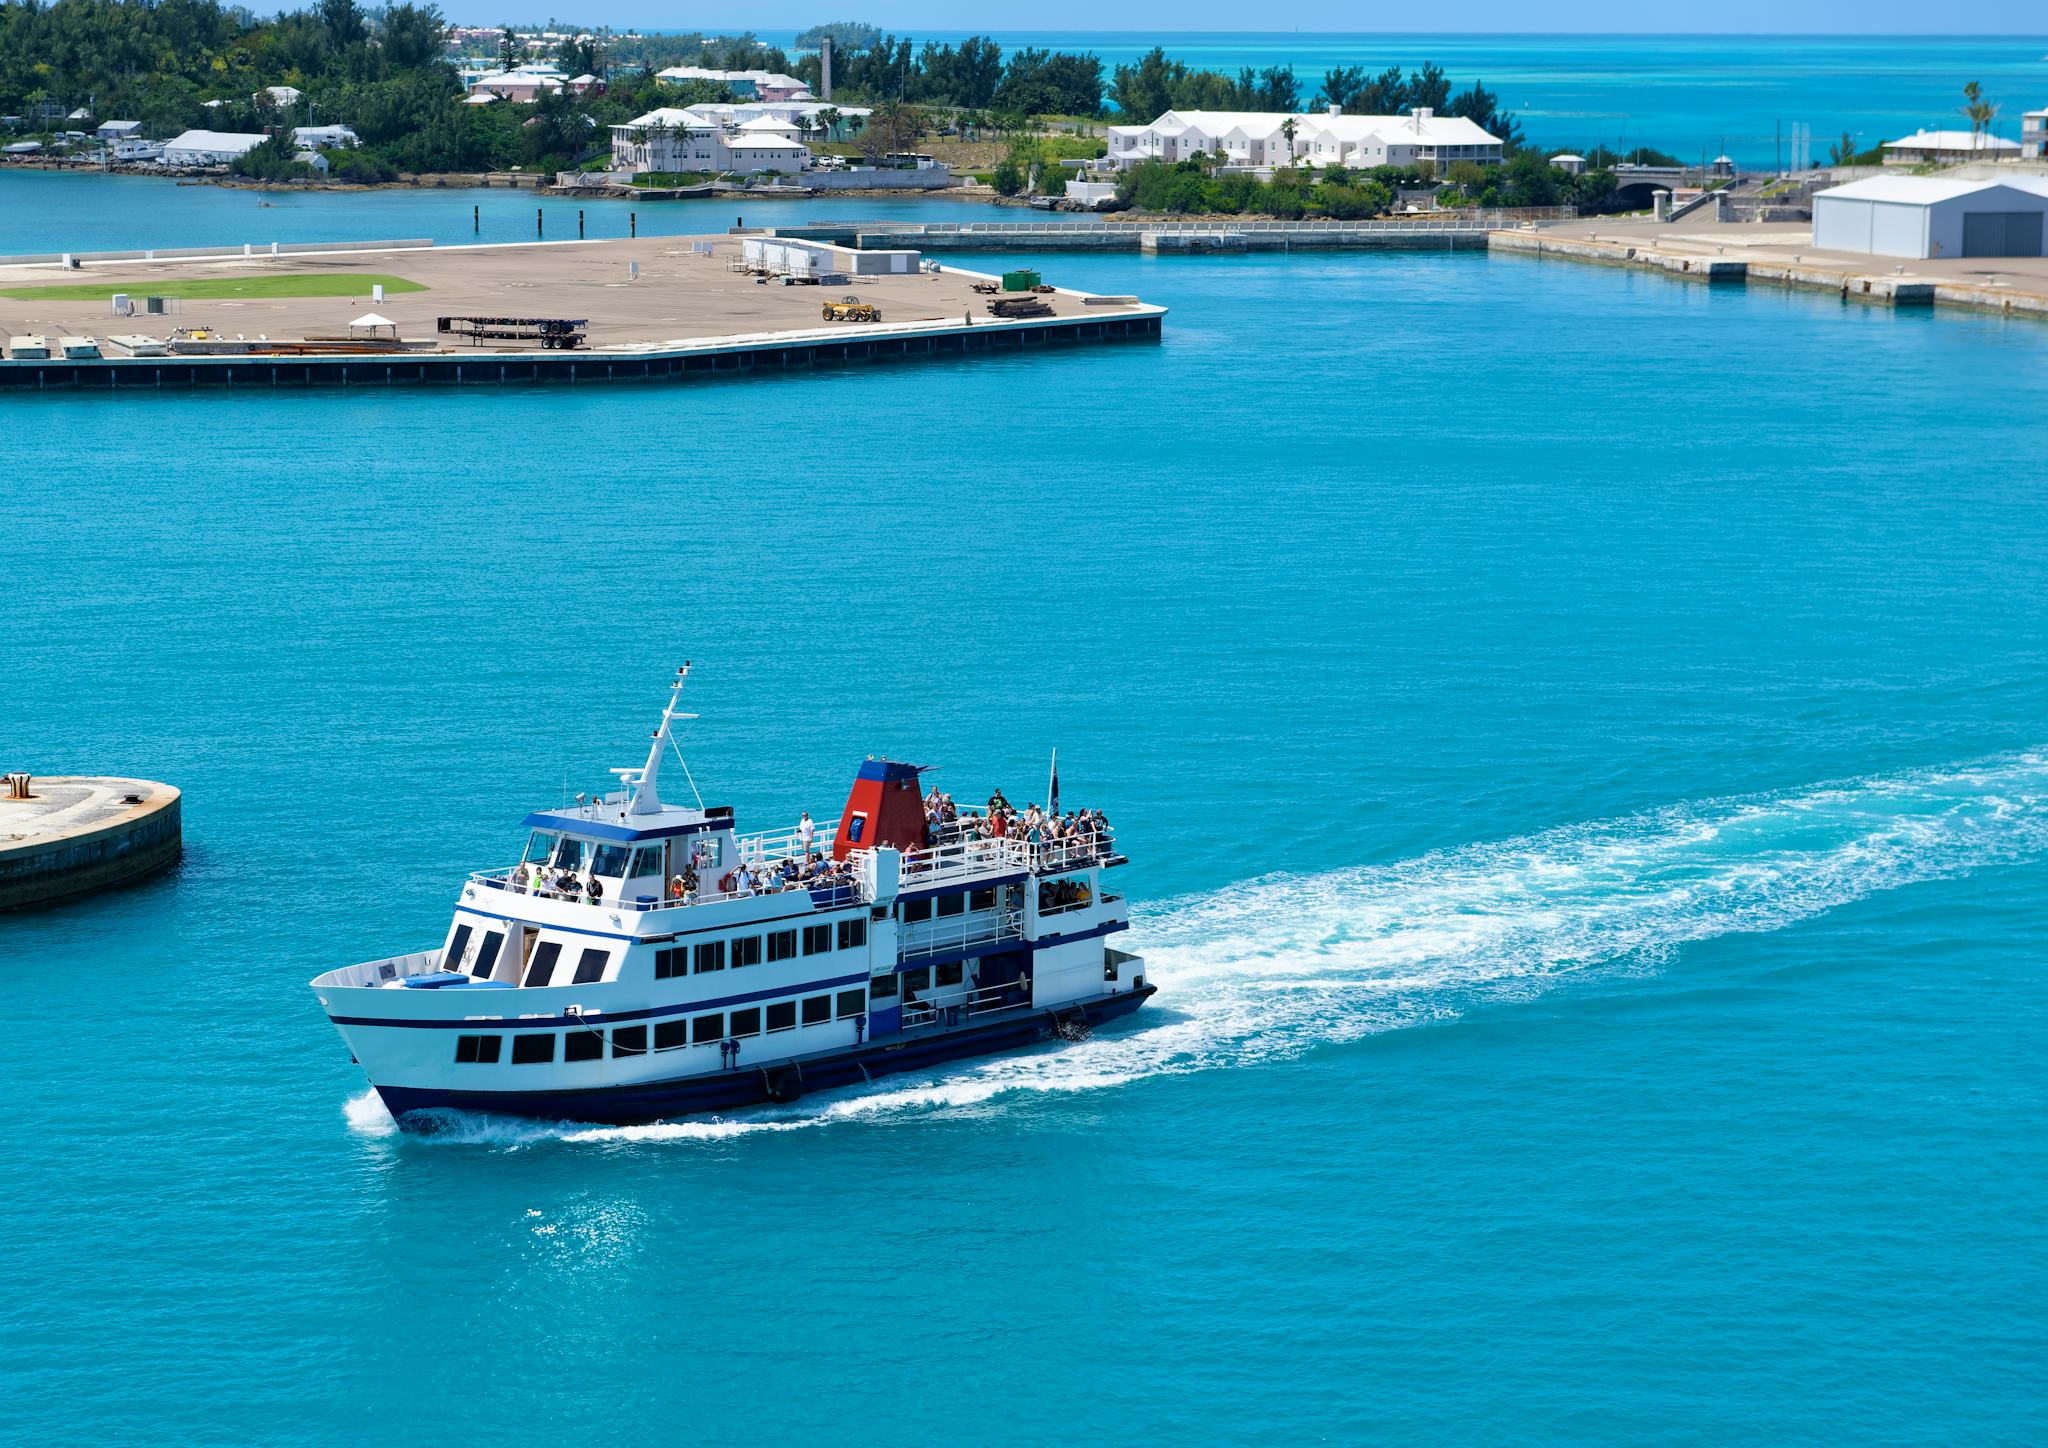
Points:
[(331, 137), (1948, 148), (515, 85), (1327, 138), (676, 140), (279, 95), (1421, 138), (118, 130)]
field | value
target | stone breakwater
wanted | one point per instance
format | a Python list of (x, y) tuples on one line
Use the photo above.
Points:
[(66, 836)]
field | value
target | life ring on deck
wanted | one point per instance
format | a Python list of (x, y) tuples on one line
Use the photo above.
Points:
[(727, 881)]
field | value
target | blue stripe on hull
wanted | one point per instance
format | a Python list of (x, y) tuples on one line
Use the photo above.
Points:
[(731, 1090)]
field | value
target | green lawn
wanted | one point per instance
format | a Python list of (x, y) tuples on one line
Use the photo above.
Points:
[(209, 289)]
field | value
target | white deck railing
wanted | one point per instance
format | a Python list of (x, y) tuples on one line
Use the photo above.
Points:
[(962, 932)]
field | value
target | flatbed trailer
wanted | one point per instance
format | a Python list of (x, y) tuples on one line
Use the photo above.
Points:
[(553, 333)]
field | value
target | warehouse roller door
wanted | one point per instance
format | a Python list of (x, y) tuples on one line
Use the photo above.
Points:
[(2002, 233)]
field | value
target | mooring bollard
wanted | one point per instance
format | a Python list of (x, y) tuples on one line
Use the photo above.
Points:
[(536, 223), (579, 223), (476, 220), (633, 224)]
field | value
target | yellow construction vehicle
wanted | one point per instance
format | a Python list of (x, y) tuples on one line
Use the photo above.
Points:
[(852, 309)]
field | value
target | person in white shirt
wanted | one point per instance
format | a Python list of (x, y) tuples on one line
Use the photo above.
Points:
[(806, 831)]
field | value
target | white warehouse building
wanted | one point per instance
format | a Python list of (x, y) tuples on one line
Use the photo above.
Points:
[(1925, 217), (210, 148)]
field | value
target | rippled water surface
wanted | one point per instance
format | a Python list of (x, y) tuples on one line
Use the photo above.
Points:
[(1583, 746)]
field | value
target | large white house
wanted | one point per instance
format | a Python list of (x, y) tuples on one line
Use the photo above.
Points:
[(764, 85), (1948, 148), (209, 148), (806, 117), (1321, 138), (669, 139)]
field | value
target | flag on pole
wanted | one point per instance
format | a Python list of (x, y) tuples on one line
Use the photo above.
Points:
[(1053, 792)]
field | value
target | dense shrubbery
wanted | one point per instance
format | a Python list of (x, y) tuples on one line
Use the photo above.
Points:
[(384, 73), (1188, 189), (1195, 188)]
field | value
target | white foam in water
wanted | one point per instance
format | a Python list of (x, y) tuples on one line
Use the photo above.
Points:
[(1281, 965)]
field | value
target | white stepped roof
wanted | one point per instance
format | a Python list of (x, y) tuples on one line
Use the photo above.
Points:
[(1926, 190), (1952, 141)]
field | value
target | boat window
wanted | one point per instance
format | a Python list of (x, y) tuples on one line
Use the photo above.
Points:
[(458, 946), (883, 987), (949, 974), (590, 969), (629, 1041), (487, 955), (746, 1022), (746, 950), (542, 970), (538, 846), (853, 933), (916, 910), (852, 1003), (670, 1034), (583, 1046), (817, 939), (981, 899), (480, 1049), (952, 904), (782, 1016), (856, 827), (609, 860), (568, 854), (672, 962), (533, 1048), (817, 1009), (705, 1030), (707, 854), (648, 862), (782, 945), (710, 956), (919, 979)]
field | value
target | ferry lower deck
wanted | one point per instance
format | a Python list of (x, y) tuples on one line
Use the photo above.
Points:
[(656, 308)]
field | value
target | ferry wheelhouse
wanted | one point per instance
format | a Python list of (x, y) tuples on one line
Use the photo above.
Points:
[(644, 959)]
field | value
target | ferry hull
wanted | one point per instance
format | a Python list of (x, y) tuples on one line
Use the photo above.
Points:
[(415, 1109)]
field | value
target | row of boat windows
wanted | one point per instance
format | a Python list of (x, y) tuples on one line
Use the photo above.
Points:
[(943, 905), (707, 956), (537, 1048), (744, 950)]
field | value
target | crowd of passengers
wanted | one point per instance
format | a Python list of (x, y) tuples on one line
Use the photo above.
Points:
[(1084, 832), (1082, 836), (811, 872)]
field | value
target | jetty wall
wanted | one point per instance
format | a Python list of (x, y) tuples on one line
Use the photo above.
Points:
[(146, 837)]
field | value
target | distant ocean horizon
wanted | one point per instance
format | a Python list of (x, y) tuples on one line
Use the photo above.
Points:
[(1681, 93)]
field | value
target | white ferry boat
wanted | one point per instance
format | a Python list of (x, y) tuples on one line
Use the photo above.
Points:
[(643, 959)]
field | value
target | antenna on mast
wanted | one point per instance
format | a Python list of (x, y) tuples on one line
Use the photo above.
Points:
[(644, 780)]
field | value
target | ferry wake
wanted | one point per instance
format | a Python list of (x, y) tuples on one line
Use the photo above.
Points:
[(643, 960)]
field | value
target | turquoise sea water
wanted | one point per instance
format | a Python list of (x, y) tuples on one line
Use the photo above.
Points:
[(1683, 93), (1581, 742)]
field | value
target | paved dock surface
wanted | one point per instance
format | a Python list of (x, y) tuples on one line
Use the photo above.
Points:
[(78, 834), (1783, 254), (680, 296)]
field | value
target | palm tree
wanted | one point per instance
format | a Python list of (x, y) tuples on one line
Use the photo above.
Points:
[(1287, 130), (1979, 111)]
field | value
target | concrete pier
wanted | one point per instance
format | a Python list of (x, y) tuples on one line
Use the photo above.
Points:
[(66, 836), (659, 309), (1783, 256)]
